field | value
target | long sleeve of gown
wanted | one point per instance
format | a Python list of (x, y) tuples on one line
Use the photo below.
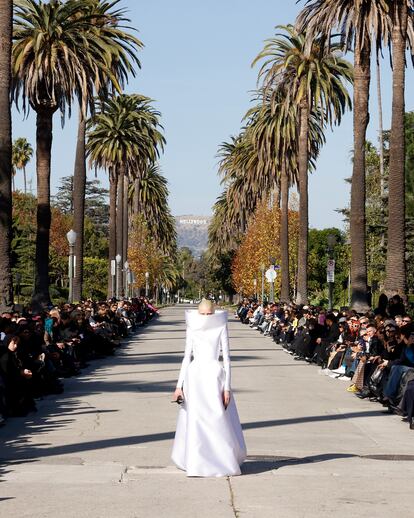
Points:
[(225, 351), (187, 358)]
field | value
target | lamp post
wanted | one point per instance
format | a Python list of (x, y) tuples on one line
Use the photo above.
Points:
[(71, 237), (147, 283), (118, 259), (126, 267), (263, 269), (272, 261), (330, 270), (113, 275)]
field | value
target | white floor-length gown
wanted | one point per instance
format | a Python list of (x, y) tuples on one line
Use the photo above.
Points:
[(209, 440)]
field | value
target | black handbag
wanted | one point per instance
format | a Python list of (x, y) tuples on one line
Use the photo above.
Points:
[(374, 383)]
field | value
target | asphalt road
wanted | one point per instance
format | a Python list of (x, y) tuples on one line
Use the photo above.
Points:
[(102, 449)]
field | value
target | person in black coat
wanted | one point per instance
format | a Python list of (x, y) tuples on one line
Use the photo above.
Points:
[(18, 399), (324, 343)]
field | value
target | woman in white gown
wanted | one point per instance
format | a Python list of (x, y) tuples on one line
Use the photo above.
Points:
[(209, 440)]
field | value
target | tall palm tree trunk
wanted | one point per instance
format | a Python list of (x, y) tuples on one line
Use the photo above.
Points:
[(6, 282), (120, 225), (362, 77), (303, 161), (279, 197), (113, 186), (78, 196), (395, 280), (25, 179), (125, 229), (135, 203), (44, 133), (380, 127), (284, 234)]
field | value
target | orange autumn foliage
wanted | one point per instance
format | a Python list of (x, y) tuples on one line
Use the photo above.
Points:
[(261, 243), (144, 254)]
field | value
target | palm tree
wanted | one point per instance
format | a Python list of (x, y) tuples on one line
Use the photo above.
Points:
[(6, 282), (252, 165), (151, 201), (273, 128), (223, 235), (22, 152), (273, 132), (123, 137), (170, 275), (245, 179), (55, 59), (359, 23), (313, 74), (395, 280), (108, 29)]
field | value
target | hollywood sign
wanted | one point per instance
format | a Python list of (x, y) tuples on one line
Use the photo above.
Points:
[(193, 222)]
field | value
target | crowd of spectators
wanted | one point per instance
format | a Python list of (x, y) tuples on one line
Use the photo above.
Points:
[(38, 350), (374, 352)]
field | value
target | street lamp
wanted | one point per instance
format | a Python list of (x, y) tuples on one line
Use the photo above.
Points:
[(118, 259), (330, 270), (126, 267), (263, 269), (113, 275), (71, 237), (272, 261), (147, 283)]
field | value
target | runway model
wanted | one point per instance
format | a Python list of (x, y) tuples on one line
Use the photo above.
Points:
[(209, 440)]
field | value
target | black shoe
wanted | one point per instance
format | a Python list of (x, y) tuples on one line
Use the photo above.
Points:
[(397, 410), (411, 425), (364, 394)]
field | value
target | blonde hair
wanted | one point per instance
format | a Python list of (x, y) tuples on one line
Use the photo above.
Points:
[(206, 306)]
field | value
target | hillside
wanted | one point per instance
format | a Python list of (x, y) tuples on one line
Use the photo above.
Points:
[(192, 232)]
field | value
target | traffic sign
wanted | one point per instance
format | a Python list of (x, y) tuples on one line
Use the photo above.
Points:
[(330, 270)]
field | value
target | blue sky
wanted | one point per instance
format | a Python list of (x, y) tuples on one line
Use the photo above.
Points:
[(196, 65)]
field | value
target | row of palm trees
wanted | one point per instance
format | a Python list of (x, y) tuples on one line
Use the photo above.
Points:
[(57, 55), (303, 89), (124, 138)]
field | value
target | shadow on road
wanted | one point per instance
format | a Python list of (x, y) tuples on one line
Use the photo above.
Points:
[(18, 448), (256, 464)]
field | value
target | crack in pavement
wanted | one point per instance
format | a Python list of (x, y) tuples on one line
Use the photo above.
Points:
[(232, 503), (123, 473)]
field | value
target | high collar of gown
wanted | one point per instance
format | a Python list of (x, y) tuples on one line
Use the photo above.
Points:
[(197, 322)]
